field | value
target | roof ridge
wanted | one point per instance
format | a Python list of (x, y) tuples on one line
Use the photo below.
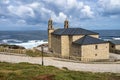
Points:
[(89, 40), (73, 31)]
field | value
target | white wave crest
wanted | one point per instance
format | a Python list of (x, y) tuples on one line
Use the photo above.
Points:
[(11, 41), (116, 38), (31, 43)]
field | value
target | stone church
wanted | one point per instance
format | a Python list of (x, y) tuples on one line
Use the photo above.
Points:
[(77, 42)]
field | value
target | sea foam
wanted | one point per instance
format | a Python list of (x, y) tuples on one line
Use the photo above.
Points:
[(28, 44), (11, 41), (31, 43)]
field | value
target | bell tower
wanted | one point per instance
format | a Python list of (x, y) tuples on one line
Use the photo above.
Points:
[(50, 24), (66, 24), (50, 30)]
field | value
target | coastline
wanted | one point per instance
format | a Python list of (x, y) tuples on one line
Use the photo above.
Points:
[(29, 44)]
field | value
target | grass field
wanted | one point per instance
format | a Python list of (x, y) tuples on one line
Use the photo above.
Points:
[(26, 71)]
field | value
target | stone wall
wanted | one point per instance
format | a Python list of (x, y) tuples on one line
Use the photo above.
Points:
[(114, 48), (111, 46), (76, 37), (62, 45), (65, 48), (49, 37), (56, 44), (95, 51), (76, 50), (95, 36), (117, 47)]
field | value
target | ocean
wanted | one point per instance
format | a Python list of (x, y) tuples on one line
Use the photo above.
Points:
[(30, 39), (108, 34), (27, 39)]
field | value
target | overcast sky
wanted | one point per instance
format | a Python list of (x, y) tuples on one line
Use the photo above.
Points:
[(34, 14)]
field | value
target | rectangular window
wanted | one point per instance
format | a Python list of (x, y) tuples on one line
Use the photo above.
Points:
[(96, 46)]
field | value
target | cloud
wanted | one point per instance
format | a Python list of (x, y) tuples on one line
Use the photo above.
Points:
[(29, 11), (67, 4), (4, 21), (46, 13), (73, 8), (6, 1), (34, 5), (21, 22), (21, 11), (37, 12), (86, 12), (60, 18), (110, 7)]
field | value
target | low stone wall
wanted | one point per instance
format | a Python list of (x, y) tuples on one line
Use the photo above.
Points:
[(19, 51), (80, 58)]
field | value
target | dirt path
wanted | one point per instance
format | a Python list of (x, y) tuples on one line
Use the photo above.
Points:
[(115, 68)]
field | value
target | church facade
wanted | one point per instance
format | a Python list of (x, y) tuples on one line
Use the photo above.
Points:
[(77, 42)]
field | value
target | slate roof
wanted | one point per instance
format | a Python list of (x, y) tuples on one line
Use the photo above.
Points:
[(117, 42), (86, 40), (73, 31)]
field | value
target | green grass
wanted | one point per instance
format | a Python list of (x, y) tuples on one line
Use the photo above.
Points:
[(28, 52), (35, 53), (26, 71)]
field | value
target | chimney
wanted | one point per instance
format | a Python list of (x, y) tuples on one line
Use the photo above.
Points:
[(66, 24)]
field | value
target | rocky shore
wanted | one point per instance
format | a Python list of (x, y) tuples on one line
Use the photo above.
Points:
[(11, 46)]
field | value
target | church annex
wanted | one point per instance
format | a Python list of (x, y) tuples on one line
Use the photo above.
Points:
[(77, 42)]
